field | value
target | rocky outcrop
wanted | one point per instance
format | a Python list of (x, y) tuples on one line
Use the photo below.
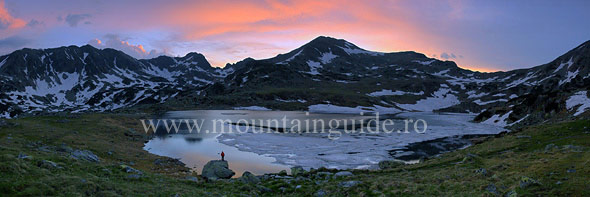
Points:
[(217, 169), (249, 178)]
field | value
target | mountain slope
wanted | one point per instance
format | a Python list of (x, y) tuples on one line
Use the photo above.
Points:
[(324, 75), (328, 74), (89, 79)]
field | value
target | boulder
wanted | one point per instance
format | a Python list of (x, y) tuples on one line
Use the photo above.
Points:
[(349, 183), (129, 169), (49, 165), (527, 181), (217, 169), (343, 173), (85, 155), (297, 170), (249, 178), (283, 173)]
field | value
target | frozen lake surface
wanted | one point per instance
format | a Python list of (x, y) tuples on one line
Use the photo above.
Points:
[(252, 142)]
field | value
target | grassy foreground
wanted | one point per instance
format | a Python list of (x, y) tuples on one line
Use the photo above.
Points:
[(36, 159)]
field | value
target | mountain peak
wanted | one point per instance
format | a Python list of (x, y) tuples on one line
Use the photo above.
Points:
[(323, 41)]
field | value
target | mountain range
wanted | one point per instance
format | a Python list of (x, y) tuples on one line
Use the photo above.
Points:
[(324, 75)]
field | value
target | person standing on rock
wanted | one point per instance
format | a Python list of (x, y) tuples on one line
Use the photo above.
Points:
[(222, 156)]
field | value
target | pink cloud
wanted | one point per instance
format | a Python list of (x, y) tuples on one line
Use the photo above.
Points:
[(7, 21), (115, 42)]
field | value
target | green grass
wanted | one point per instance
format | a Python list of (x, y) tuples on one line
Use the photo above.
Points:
[(506, 159)]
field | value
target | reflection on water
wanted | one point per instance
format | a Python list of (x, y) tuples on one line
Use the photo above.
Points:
[(197, 148), (196, 153)]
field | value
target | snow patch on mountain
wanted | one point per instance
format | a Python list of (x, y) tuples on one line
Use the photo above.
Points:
[(335, 109), (313, 67), (3, 62), (327, 57), (354, 51), (385, 92), (498, 120), (425, 63), (472, 94), (479, 102), (568, 63), (252, 108), (579, 100), (570, 76), (440, 99)]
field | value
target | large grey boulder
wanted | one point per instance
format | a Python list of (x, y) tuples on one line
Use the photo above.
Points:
[(84, 155), (217, 169), (249, 178), (297, 170)]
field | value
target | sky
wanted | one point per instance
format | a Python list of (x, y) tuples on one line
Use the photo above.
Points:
[(481, 35)]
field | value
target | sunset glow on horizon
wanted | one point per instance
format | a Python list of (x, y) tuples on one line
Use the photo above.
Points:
[(478, 35)]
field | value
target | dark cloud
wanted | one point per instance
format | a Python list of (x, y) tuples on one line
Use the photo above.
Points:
[(34, 23), (74, 19), (116, 42), (13, 42)]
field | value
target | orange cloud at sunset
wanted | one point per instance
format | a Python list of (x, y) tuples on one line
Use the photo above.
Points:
[(479, 35), (7, 21)]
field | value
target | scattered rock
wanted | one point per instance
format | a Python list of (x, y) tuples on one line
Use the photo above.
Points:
[(573, 148), (297, 170), (511, 194), (343, 173), (283, 173), (492, 189), (387, 164), (192, 178), (85, 155), (320, 193), (323, 174), (482, 171), (349, 183), (217, 169), (526, 181), (129, 169), (49, 165), (23, 156), (550, 147), (249, 178)]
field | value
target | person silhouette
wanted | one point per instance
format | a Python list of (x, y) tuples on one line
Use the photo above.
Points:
[(222, 156)]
